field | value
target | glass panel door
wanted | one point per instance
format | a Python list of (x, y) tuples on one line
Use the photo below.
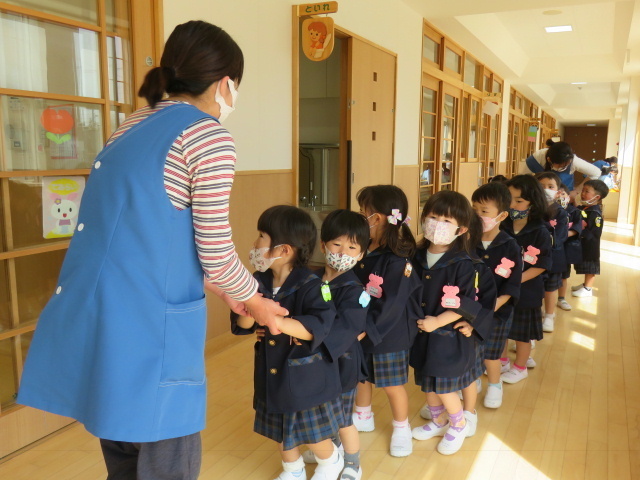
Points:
[(428, 140), (449, 155)]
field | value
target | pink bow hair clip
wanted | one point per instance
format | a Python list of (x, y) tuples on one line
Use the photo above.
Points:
[(395, 216)]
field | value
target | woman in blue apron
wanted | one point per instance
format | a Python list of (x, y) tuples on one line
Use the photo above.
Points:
[(120, 345)]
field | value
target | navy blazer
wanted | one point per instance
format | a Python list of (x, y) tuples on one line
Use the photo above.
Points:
[(351, 318), (391, 320), (559, 229), (591, 232), (534, 234), (445, 352), (486, 295), (290, 377), (573, 245), (504, 246)]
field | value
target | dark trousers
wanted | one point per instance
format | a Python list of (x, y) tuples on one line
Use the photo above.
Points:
[(172, 459)]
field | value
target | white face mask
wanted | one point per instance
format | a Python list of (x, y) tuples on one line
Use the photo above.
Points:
[(439, 233), (592, 201), (340, 262), (259, 261), (550, 194), (225, 110)]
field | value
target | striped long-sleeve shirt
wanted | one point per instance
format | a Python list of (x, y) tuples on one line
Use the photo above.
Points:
[(198, 173)]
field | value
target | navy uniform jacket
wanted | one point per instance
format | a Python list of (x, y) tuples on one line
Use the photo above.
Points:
[(445, 352), (559, 229), (351, 318), (504, 246), (391, 321), (486, 295), (573, 245), (534, 234), (591, 232), (290, 377)]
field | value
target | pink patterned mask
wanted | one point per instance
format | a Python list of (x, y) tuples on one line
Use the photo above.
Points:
[(439, 233), (259, 261), (340, 262)]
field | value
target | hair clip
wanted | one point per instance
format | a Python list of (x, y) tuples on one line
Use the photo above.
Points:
[(394, 217)]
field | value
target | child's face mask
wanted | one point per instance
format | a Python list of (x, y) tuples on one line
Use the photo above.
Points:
[(340, 262), (259, 261), (439, 233)]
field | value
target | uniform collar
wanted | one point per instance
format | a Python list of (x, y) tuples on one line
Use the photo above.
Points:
[(450, 257), (529, 227), (347, 278), (298, 277), (501, 239)]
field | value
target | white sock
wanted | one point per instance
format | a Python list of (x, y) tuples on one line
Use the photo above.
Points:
[(550, 315), (334, 458), (364, 411), (296, 467), (403, 424)]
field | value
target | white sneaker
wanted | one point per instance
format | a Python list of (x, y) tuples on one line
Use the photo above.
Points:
[(583, 292), (364, 424), (401, 442), (531, 363), (348, 474), (425, 412), (564, 305), (493, 398), (472, 422), (430, 430), (329, 472), (514, 375), (452, 440), (505, 367), (291, 476), (309, 457), (548, 324), (577, 287)]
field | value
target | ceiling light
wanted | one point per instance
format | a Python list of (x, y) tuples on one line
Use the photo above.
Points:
[(559, 28), (591, 124), (578, 83)]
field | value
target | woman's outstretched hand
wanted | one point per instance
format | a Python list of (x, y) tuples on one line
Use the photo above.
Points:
[(264, 311)]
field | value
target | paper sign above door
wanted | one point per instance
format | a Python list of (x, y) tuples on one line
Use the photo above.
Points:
[(317, 38)]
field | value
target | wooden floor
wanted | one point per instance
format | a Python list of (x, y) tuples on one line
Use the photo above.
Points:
[(577, 415)]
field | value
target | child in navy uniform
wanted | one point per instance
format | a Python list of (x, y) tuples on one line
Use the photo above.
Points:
[(573, 246), (527, 215), (593, 192), (501, 253), (296, 382), (558, 227), (443, 359), (345, 237), (395, 289)]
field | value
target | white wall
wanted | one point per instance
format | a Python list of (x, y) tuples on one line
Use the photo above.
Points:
[(262, 125)]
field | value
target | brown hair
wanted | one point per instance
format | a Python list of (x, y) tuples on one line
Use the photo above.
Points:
[(383, 199), (196, 55)]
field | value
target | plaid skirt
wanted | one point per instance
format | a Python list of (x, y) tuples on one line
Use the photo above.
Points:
[(494, 347), (552, 282), (348, 400), (448, 384), (526, 325), (388, 369), (299, 428), (588, 267)]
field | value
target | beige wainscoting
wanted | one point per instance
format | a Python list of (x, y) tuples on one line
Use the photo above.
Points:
[(407, 178), (468, 178), (253, 192)]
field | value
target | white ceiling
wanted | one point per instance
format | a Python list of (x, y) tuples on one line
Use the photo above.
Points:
[(509, 36)]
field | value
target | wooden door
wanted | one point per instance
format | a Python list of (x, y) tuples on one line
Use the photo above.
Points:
[(370, 116)]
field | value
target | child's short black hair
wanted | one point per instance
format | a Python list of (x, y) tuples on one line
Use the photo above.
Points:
[(448, 203), (287, 225), (496, 192), (605, 170), (531, 190), (346, 222), (599, 186), (498, 178), (565, 189), (549, 176)]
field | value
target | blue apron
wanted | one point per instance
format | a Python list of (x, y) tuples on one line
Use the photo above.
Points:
[(120, 345)]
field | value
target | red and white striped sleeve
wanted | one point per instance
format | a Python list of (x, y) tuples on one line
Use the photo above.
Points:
[(208, 162)]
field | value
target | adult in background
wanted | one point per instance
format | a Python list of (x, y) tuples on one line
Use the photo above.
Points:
[(559, 158), (120, 345)]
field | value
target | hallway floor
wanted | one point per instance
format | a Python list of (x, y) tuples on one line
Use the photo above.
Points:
[(577, 416)]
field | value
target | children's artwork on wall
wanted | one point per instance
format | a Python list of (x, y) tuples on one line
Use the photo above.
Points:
[(60, 205), (533, 133), (317, 38), (59, 126)]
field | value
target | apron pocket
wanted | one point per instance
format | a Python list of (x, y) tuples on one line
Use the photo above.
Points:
[(184, 337)]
